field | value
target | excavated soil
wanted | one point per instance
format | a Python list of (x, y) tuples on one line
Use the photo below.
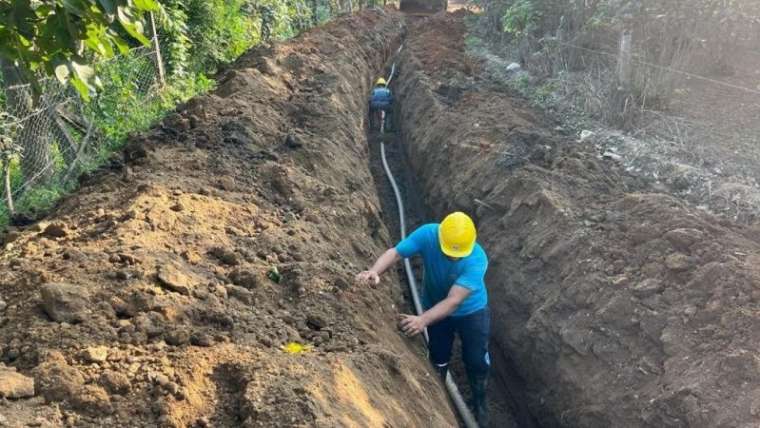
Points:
[(163, 292), (613, 304)]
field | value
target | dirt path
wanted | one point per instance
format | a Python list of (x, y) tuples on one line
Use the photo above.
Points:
[(151, 298), (619, 305)]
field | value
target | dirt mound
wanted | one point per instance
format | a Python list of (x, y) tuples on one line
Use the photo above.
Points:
[(618, 306), (166, 291)]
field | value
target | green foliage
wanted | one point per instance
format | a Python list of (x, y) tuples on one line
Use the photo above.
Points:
[(219, 32), (196, 37), (60, 37), (520, 18)]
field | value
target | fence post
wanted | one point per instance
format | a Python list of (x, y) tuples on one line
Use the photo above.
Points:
[(157, 49), (7, 183), (625, 60), (622, 95)]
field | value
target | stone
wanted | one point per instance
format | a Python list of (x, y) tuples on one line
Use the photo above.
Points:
[(115, 382), (683, 239), (201, 339), (514, 67), (586, 135), (241, 294), (92, 399), (648, 287), (245, 278), (65, 302), (316, 322), (55, 230), (177, 337), (225, 256), (14, 385), (3, 305), (95, 354), (678, 262), (56, 380), (175, 280)]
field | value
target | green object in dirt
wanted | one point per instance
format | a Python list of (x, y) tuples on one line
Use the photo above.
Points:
[(274, 275)]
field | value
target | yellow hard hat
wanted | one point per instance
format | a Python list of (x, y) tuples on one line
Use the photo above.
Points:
[(457, 235), (381, 81)]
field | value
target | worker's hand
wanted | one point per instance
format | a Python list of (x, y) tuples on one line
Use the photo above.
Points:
[(368, 277), (412, 325)]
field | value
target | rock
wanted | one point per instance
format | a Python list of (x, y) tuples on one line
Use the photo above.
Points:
[(241, 294), (11, 236), (678, 262), (586, 135), (201, 339), (612, 156), (3, 305), (14, 385), (159, 379), (177, 337), (115, 382), (95, 354), (514, 68), (316, 322), (245, 278), (226, 183), (92, 399), (56, 380), (65, 302), (175, 280), (647, 287), (55, 230), (293, 142), (683, 239), (225, 256)]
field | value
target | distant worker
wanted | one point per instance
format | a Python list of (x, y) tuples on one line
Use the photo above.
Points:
[(455, 298), (381, 100)]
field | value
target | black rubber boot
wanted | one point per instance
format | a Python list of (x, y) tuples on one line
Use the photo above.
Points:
[(478, 386)]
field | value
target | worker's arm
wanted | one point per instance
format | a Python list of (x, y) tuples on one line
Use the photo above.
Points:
[(413, 325), (382, 264)]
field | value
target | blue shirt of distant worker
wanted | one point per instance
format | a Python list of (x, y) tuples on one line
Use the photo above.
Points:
[(455, 297), (381, 100)]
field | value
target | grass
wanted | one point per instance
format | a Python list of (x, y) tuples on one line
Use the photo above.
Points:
[(121, 109)]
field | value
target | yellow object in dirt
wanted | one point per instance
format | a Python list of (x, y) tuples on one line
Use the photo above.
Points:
[(381, 82), (296, 348), (457, 235)]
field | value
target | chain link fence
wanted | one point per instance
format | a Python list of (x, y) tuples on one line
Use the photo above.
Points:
[(49, 140)]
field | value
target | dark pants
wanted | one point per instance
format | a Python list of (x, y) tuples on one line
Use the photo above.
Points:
[(474, 331), (374, 114)]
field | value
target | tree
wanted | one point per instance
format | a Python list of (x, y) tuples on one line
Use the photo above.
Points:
[(61, 37)]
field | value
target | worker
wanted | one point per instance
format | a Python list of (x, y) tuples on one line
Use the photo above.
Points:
[(380, 100), (455, 298)]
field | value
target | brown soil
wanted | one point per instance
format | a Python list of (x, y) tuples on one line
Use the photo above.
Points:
[(617, 305), (149, 298)]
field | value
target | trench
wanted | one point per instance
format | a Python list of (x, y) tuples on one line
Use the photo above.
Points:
[(508, 401)]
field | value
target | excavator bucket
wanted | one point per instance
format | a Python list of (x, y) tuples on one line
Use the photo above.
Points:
[(423, 7)]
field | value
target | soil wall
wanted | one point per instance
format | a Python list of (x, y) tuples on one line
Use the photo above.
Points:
[(618, 306), (164, 292)]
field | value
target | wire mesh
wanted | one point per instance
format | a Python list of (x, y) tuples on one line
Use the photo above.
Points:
[(58, 134)]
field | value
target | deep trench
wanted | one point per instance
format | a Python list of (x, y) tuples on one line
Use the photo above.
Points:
[(508, 401)]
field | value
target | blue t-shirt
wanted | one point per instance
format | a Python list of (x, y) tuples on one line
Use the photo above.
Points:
[(381, 97), (441, 272)]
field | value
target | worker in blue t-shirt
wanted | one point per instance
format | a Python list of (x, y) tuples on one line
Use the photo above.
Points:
[(455, 297), (381, 100)]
